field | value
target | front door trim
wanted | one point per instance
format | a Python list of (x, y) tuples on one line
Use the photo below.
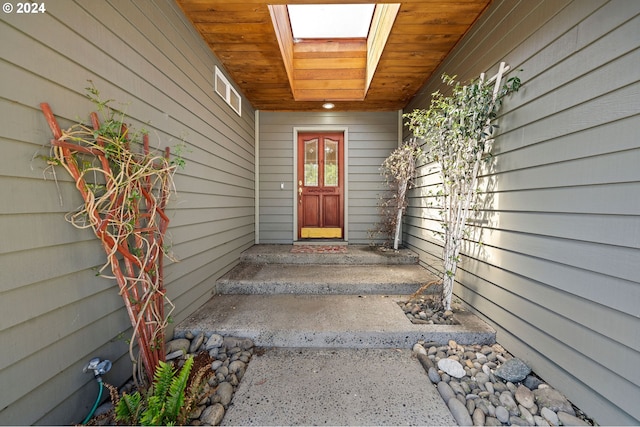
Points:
[(321, 128)]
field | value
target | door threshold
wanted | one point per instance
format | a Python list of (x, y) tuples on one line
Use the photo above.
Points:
[(320, 242)]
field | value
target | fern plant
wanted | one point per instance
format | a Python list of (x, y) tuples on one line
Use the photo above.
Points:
[(164, 401)]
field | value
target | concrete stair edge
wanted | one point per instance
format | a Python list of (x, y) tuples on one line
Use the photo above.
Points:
[(247, 287), (250, 278), (326, 321), (356, 255)]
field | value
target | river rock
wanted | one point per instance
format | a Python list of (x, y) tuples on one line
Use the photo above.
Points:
[(489, 386), (524, 396), (471, 405), (494, 400), (214, 341), (452, 367), (492, 421), (445, 391), (483, 405), (225, 391), (236, 366), (478, 417), (223, 370), (500, 387), (181, 344), (459, 412), (197, 411), (502, 414), (550, 416), (434, 376), (212, 415), (425, 361), (231, 351), (514, 370), (507, 401), (540, 422), (553, 399), (233, 379), (570, 420), (196, 343), (532, 382), (518, 421), (481, 378), (525, 414), (174, 355), (241, 343), (419, 349), (486, 369), (456, 387)]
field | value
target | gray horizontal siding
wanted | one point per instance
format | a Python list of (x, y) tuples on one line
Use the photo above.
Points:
[(557, 271), (371, 137), (56, 314)]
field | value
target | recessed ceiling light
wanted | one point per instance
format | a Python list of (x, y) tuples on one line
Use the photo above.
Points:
[(328, 105)]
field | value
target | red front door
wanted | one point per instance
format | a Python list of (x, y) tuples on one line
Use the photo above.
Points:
[(320, 185)]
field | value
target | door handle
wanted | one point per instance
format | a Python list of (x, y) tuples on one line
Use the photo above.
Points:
[(300, 191)]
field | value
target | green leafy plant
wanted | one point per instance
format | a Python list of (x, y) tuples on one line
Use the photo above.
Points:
[(398, 171), (458, 131), (164, 403)]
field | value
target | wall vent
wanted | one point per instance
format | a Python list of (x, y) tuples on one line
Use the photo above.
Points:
[(227, 92)]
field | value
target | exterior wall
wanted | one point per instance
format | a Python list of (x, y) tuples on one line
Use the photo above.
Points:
[(56, 314), (558, 272), (371, 137)]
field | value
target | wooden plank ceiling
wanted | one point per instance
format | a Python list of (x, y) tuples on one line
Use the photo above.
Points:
[(241, 34)]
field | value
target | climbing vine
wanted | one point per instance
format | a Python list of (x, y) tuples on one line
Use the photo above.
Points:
[(458, 131), (125, 187), (398, 172)]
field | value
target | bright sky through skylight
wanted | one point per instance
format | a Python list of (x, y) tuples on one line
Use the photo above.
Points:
[(330, 21)]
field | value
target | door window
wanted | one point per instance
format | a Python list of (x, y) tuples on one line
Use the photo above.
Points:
[(330, 163), (311, 163)]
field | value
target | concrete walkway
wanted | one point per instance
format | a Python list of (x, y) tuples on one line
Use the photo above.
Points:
[(336, 387), (334, 347)]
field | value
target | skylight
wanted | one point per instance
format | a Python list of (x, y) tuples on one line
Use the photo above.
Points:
[(330, 21)]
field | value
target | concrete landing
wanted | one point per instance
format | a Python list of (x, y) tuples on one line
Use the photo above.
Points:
[(338, 321), (336, 387)]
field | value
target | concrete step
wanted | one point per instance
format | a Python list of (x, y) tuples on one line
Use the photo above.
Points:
[(326, 321), (264, 278), (348, 255), (280, 301)]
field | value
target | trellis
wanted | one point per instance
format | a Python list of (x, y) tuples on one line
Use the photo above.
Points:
[(127, 215), (459, 131)]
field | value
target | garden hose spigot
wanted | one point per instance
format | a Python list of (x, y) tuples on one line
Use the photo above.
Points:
[(99, 367)]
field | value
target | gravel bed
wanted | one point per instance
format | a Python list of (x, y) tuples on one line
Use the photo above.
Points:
[(487, 386), (427, 310), (226, 359)]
